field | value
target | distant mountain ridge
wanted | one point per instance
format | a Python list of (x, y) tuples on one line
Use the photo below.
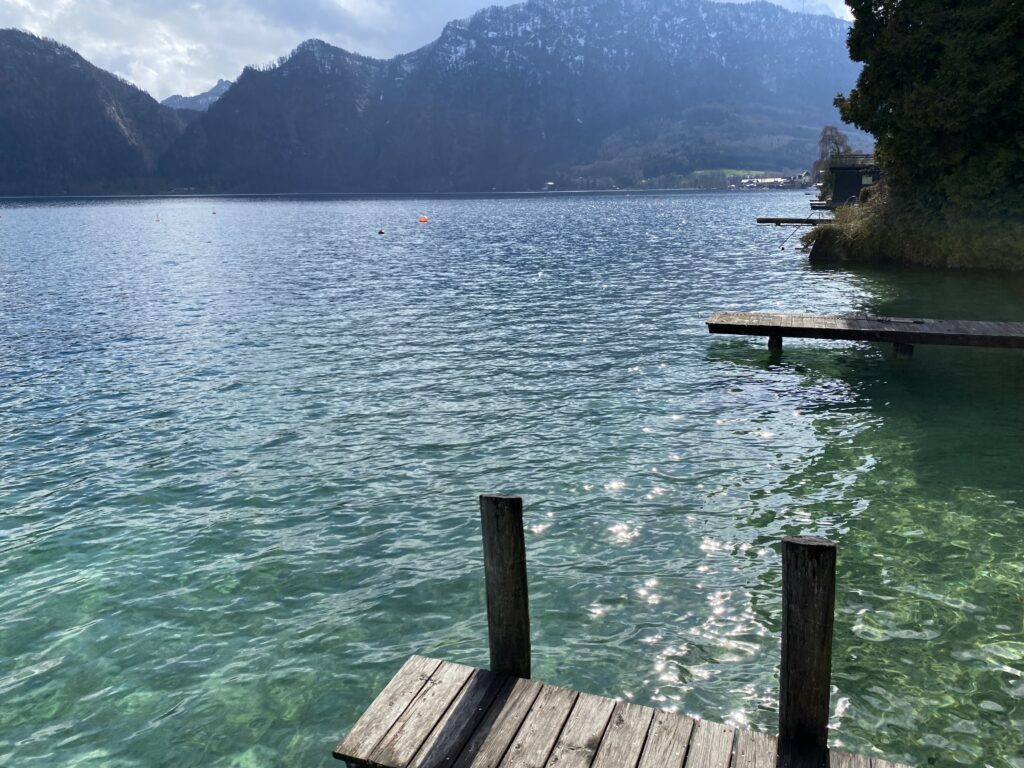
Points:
[(589, 93), (71, 128), (200, 102), (583, 91)]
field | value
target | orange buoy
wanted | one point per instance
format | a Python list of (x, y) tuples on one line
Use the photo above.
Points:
[(424, 219)]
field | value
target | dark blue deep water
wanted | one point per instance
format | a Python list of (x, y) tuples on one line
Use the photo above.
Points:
[(241, 442)]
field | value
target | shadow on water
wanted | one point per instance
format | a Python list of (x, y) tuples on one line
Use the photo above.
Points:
[(920, 462), (946, 294)]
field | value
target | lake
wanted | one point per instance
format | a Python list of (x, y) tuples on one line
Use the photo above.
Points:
[(241, 442)]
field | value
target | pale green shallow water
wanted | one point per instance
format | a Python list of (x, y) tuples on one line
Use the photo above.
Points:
[(240, 453)]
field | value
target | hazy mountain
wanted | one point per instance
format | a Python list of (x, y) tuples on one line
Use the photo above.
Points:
[(200, 102), (69, 127), (582, 91)]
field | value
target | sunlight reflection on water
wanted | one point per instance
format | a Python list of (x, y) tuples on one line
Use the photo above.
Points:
[(241, 454)]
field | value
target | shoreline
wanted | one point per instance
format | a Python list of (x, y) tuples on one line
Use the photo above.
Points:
[(392, 195)]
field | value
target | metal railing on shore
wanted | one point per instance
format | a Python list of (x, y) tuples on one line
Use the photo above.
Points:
[(854, 159)]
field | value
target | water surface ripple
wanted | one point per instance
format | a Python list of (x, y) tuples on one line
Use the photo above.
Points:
[(241, 442)]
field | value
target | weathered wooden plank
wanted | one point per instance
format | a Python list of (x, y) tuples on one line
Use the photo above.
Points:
[(450, 716), (1005, 329), (808, 607), (755, 750), (954, 327), (409, 732), (459, 721), (667, 741), (385, 709), (582, 734), (539, 731), (508, 613), (710, 745), (802, 321), (826, 322), (488, 744), (624, 737), (844, 760), (902, 330)]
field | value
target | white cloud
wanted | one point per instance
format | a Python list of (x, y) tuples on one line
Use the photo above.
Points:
[(184, 46)]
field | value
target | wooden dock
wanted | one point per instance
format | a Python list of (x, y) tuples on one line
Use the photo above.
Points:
[(437, 714), (902, 332), (780, 221)]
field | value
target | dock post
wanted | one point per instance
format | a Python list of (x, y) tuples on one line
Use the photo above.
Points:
[(508, 612), (775, 344), (902, 351), (808, 606)]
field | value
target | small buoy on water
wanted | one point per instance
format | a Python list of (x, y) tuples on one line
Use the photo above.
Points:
[(424, 219)]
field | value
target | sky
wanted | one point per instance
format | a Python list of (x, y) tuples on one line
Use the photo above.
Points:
[(178, 46)]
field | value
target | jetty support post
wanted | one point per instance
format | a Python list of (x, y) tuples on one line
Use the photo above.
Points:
[(808, 606), (508, 613), (775, 344), (902, 351)]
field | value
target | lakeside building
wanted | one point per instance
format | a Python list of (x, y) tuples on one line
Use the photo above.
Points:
[(800, 181), (851, 173)]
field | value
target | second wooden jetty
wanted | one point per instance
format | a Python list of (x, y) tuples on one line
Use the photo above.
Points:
[(436, 714), (902, 332), (794, 221)]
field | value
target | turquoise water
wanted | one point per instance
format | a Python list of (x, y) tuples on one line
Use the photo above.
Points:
[(240, 448)]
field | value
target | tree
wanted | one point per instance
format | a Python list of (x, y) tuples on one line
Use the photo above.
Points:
[(831, 142), (942, 90)]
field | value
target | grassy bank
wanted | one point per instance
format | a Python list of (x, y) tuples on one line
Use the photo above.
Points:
[(879, 231)]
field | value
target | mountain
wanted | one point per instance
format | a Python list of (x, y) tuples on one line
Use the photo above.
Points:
[(71, 128), (585, 92), (201, 102)]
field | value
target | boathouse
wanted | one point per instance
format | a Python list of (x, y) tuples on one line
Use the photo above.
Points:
[(851, 172)]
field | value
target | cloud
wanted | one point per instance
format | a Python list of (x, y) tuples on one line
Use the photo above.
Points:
[(185, 46)]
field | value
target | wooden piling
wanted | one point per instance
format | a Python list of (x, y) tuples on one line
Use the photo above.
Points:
[(508, 613), (775, 344), (808, 605), (902, 351)]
